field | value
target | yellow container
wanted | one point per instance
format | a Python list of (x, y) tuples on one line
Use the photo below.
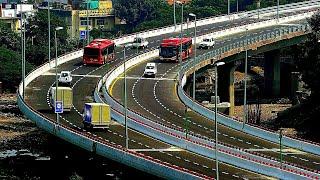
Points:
[(65, 95), (96, 115)]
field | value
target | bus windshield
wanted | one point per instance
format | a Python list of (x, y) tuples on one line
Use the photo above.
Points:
[(91, 51), (168, 51)]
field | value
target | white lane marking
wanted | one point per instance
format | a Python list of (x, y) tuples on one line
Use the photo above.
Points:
[(144, 78)]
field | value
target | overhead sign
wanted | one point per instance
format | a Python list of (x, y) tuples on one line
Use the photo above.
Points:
[(59, 107), (83, 34)]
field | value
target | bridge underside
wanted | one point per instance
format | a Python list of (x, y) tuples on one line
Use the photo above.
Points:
[(272, 68)]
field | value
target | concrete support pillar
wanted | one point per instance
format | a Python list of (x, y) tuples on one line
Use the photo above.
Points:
[(272, 72), (226, 85)]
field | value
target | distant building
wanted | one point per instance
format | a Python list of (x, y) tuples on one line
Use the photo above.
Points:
[(10, 14), (100, 16)]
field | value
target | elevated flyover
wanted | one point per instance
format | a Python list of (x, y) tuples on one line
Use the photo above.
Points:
[(160, 160)]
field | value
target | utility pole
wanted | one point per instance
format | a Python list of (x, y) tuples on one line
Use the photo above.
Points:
[(88, 36), (174, 15), (125, 97), (49, 34), (280, 143)]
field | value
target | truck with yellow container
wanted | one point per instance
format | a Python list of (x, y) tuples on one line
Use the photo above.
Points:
[(96, 115), (64, 95)]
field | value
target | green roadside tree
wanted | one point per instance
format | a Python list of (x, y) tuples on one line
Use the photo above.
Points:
[(37, 33), (308, 58), (10, 69), (8, 38)]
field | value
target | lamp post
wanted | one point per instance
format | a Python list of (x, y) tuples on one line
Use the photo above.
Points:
[(87, 36), (280, 144), (258, 6), (174, 15), (125, 97), (237, 5), (22, 49), (228, 7), (278, 10), (56, 67), (245, 113), (215, 116), (49, 34), (195, 55), (181, 29), (24, 57)]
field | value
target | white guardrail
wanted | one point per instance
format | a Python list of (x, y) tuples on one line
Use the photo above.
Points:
[(198, 144), (94, 144), (110, 151)]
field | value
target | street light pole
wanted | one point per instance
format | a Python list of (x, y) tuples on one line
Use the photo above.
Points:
[(174, 15), (49, 34), (125, 97), (88, 37), (24, 57), (237, 5), (194, 58), (245, 113), (181, 29), (22, 49), (278, 10), (215, 116), (228, 7), (56, 68), (280, 143), (258, 6)]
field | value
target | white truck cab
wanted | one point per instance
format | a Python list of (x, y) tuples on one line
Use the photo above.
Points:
[(207, 43), (150, 70), (65, 77), (140, 42)]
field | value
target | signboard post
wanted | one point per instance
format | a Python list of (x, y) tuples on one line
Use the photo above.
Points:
[(59, 107), (83, 34)]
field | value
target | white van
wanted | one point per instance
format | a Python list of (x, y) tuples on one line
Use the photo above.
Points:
[(150, 70), (207, 43), (65, 78)]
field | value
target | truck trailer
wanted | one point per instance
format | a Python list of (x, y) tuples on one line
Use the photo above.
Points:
[(96, 115), (65, 95)]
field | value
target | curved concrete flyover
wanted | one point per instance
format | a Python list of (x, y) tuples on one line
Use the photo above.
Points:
[(146, 94), (85, 83), (36, 97)]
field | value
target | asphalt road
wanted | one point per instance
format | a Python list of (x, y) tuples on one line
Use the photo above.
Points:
[(36, 97), (157, 99)]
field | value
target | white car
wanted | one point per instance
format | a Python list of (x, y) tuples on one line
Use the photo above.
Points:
[(207, 43), (65, 77), (140, 42), (150, 70)]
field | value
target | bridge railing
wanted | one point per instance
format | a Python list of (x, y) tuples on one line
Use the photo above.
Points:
[(192, 143), (236, 124), (92, 143)]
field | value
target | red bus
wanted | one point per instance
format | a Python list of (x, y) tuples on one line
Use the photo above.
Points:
[(99, 51), (170, 49)]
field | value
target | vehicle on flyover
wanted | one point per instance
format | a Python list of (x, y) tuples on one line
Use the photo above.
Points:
[(140, 42), (64, 95), (96, 115), (150, 70), (170, 49), (207, 43), (65, 78), (99, 51)]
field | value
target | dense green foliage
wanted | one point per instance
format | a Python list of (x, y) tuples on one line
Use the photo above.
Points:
[(36, 47), (141, 15), (10, 69), (305, 116)]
